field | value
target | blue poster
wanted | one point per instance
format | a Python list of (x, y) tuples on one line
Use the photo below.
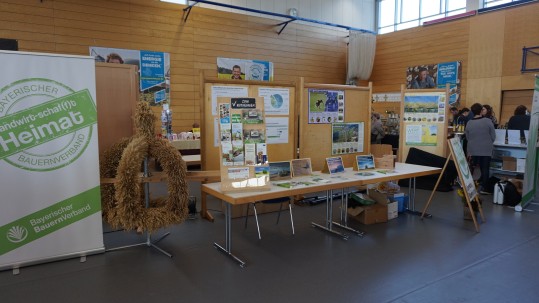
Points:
[(448, 72), (160, 96), (152, 69)]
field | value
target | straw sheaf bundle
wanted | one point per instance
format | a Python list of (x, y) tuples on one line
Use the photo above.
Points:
[(124, 202), (108, 169), (144, 119)]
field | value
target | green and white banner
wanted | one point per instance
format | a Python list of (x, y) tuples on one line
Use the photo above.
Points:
[(530, 175), (51, 205)]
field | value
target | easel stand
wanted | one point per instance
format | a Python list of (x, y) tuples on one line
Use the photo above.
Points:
[(457, 154), (148, 241)]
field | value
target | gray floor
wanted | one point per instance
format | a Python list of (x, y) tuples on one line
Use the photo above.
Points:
[(405, 260)]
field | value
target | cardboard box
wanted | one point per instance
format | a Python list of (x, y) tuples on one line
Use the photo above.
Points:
[(392, 210), (509, 163), (376, 213), (388, 200)]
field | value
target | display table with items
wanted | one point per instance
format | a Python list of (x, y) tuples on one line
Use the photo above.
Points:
[(317, 182)]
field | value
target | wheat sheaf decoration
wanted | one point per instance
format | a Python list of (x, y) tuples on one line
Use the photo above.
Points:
[(123, 203)]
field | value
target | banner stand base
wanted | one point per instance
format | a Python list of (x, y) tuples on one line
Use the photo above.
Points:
[(148, 243)]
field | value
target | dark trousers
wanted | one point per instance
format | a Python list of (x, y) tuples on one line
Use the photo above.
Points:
[(484, 164)]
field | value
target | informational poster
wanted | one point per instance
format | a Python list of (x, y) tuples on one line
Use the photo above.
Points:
[(326, 106), (386, 97), (421, 107), (437, 76), (226, 91), (421, 134), (347, 138), (241, 69), (277, 130), (530, 177), (153, 67), (463, 167), (51, 200), (276, 100)]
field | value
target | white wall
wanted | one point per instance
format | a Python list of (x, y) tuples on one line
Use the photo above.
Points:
[(354, 13)]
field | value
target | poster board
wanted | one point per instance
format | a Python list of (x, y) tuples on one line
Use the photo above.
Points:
[(242, 145), (315, 139), (532, 158), (423, 121), (466, 180), (209, 126)]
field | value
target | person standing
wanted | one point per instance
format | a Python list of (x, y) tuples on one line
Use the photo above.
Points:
[(488, 112), (377, 129), (520, 121), (480, 134)]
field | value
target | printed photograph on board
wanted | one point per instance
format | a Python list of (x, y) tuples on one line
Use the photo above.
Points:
[(301, 167), (326, 106), (280, 170)]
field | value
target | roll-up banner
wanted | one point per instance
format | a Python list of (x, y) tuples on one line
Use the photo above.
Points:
[(49, 160), (532, 157)]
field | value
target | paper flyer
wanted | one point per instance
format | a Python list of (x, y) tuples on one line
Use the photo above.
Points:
[(237, 149), (224, 113), (277, 130), (226, 91), (252, 116), (238, 173), (254, 135), (237, 131), (261, 153), (225, 133), (276, 100), (250, 154), (226, 154)]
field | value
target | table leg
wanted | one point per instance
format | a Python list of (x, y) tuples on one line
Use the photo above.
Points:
[(411, 199), (344, 215), (204, 207), (227, 250), (329, 217)]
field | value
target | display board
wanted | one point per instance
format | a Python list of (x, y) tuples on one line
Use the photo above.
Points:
[(320, 139), (242, 144), (423, 121), (280, 111), (51, 201), (465, 179)]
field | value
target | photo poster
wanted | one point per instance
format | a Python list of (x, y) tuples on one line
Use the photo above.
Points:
[(301, 167), (242, 69), (333, 165), (364, 162), (463, 167), (437, 76), (424, 107), (243, 147), (153, 69), (531, 168), (421, 134), (280, 170), (326, 106), (347, 138)]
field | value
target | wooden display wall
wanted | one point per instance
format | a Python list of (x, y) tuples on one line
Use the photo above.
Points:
[(316, 139), (276, 152), (72, 26), (440, 148)]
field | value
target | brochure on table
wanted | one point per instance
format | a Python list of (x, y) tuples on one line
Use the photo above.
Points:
[(243, 145)]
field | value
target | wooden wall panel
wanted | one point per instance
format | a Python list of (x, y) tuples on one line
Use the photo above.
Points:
[(486, 45), (512, 99), (72, 26), (485, 91), (315, 140)]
